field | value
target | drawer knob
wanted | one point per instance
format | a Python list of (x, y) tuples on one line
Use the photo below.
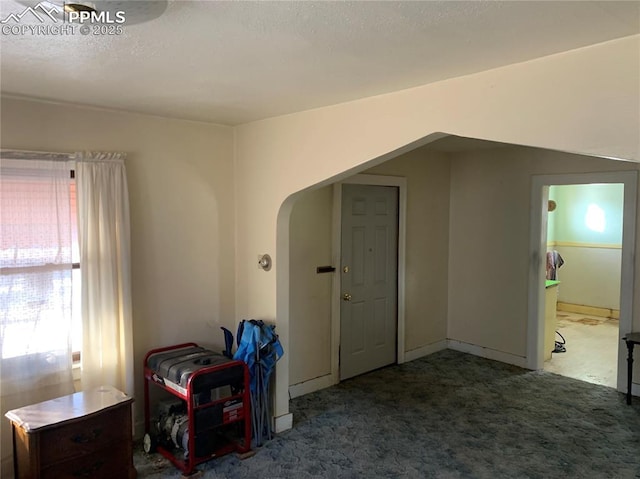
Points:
[(85, 438)]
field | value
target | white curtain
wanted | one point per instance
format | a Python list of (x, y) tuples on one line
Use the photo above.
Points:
[(35, 286), (104, 238)]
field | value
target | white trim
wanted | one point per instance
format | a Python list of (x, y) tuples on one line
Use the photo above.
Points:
[(423, 351), (323, 382), (538, 239), (486, 353), (283, 423), (569, 244), (335, 285), (283, 323), (378, 180), (312, 385)]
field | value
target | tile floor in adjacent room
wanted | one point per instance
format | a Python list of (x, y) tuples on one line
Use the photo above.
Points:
[(592, 346)]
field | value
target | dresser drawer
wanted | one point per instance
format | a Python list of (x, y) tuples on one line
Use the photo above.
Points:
[(114, 463), (84, 437)]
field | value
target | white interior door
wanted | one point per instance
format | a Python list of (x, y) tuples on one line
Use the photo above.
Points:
[(369, 278)]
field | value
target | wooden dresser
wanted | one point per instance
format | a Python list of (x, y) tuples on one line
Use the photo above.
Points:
[(83, 435)]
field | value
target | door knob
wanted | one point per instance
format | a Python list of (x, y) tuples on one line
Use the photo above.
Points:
[(346, 297)]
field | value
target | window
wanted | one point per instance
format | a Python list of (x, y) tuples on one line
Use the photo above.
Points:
[(40, 292), (39, 260)]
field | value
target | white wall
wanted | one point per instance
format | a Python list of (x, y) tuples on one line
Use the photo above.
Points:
[(180, 177), (590, 276), (310, 292), (582, 101), (427, 242), (489, 241)]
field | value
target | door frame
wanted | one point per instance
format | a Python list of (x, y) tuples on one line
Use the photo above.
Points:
[(373, 180), (538, 241)]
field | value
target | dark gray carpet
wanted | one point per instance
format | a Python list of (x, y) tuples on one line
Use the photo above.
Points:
[(449, 415)]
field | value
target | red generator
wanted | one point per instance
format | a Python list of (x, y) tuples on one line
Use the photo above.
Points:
[(202, 405)]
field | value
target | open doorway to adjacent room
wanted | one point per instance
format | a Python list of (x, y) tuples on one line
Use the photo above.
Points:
[(583, 236), (582, 290)]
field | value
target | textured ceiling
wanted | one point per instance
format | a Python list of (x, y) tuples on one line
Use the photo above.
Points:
[(234, 62)]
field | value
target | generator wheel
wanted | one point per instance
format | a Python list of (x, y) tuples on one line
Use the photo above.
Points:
[(149, 443)]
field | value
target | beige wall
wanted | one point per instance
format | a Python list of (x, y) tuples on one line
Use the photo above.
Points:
[(310, 292), (427, 240), (468, 272), (489, 240), (427, 233), (590, 276), (582, 101), (180, 177)]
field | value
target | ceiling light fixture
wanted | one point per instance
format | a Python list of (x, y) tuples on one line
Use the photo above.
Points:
[(135, 11), (78, 7)]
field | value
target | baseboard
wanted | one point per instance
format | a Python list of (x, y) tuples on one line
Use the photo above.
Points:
[(487, 353), (312, 385), (425, 350), (323, 382), (283, 423), (589, 310)]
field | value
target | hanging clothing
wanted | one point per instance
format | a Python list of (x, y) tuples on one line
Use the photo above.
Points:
[(554, 262)]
